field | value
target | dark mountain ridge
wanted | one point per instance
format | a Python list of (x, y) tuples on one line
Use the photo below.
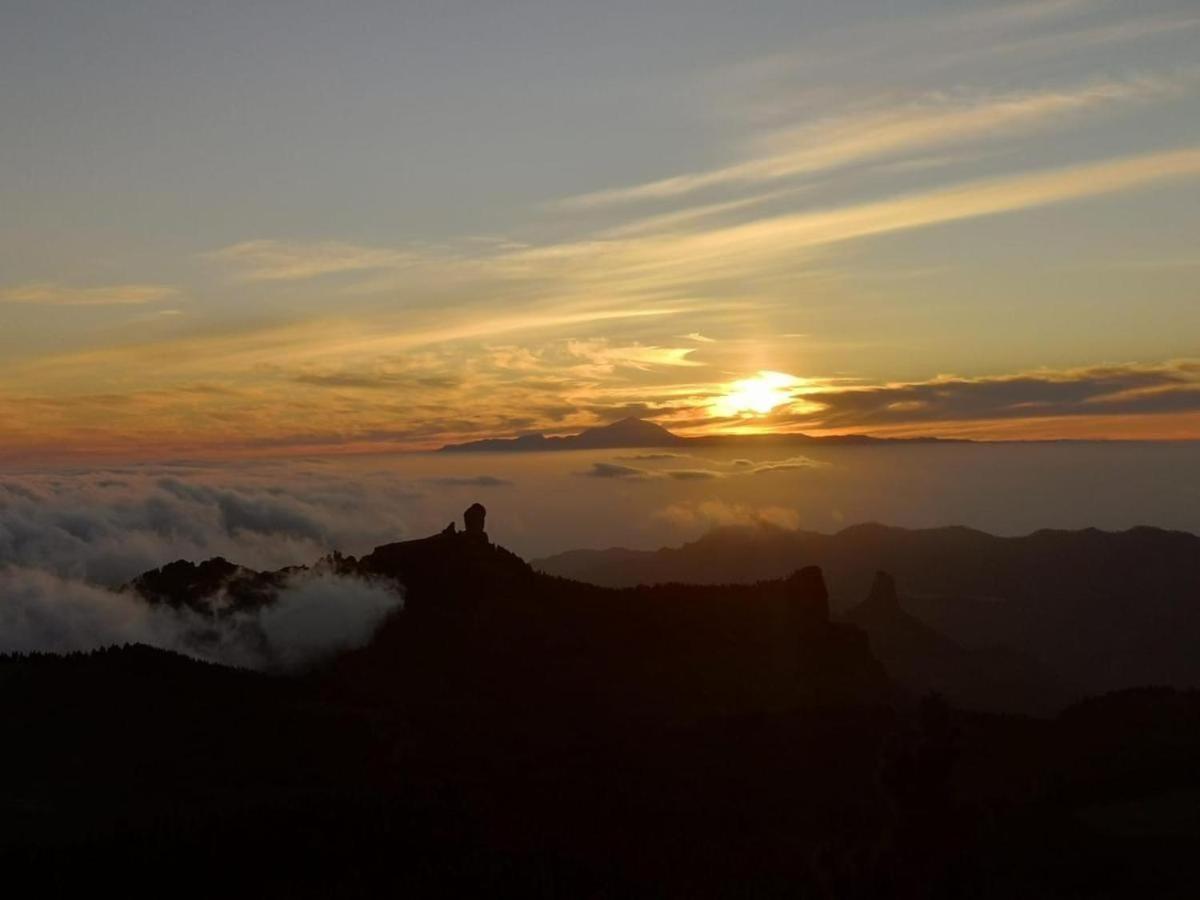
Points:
[(481, 622), (924, 660), (1101, 610)]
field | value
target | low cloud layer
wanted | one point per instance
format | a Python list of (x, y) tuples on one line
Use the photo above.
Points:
[(69, 540), (615, 470), (719, 513), (735, 467), (1095, 391), (314, 616), (486, 481), (106, 527)]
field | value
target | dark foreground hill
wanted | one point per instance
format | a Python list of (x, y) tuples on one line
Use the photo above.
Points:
[(1099, 610), (510, 733)]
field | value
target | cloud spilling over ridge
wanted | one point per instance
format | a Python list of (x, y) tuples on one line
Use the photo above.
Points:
[(322, 614), (315, 615)]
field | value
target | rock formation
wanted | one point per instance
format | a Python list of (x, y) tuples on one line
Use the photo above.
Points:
[(882, 596), (473, 519)]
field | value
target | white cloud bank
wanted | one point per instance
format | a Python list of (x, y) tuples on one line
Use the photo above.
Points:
[(314, 616)]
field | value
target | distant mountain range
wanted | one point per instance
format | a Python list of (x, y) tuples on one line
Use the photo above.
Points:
[(630, 433), (1098, 609), (923, 659)]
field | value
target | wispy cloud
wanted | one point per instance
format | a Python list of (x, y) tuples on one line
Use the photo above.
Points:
[(614, 308), (718, 513), (274, 260), (657, 264), (476, 481), (50, 293), (791, 464), (1060, 43), (604, 355), (935, 121), (614, 470), (734, 469), (693, 474), (1117, 390)]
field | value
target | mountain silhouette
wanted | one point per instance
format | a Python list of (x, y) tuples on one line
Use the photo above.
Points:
[(627, 432), (481, 626), (1099, 610), (923, 660)]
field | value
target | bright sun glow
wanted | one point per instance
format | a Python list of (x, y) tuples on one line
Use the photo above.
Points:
[(756, 396)]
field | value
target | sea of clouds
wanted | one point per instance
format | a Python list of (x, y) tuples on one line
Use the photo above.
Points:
[(69, 540), (109, 525), (314, 617)]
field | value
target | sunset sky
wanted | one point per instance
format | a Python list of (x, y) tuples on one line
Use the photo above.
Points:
[(266, 227)]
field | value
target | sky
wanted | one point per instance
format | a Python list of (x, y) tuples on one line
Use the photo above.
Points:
[(260, 228)]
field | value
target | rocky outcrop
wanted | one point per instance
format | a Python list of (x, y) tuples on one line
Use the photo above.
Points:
[(922, 659), (473, 519), (882, 597)]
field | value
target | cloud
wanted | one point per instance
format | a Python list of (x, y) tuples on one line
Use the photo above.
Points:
[(655, 456), (693, 474), (1116, 390), (273, 260), (613, 470), (708, 514), (759, 250), (632, 473), (106, 526), (70, 538), (314, 616), (485, 481), (790, 464), (1060, 43), (317, 616), (45, 612), (49, 293), (602, 354), (613, 306), (740, 467), (932, 122)]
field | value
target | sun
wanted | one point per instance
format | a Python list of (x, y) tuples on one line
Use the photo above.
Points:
[(756, 396)]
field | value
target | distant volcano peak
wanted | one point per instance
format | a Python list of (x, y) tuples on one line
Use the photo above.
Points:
[(623, 433), (630, 425)]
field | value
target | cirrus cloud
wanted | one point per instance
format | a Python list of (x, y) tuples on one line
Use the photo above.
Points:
[(1113, 390), (52, 293)]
